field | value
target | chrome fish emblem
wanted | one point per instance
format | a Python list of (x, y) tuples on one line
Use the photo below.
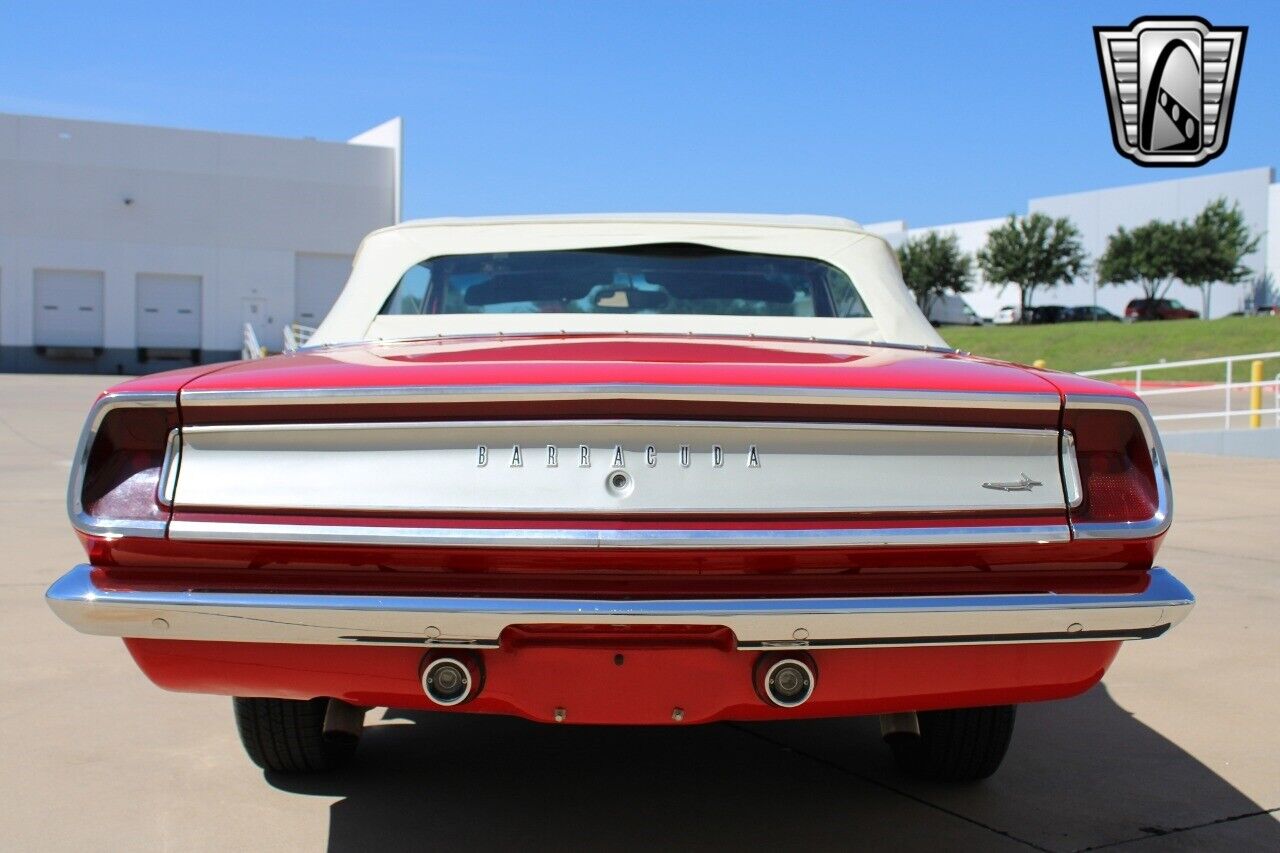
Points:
[(1026, 484)]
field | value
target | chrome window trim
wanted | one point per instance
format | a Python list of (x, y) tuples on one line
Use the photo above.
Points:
[(1160, 520), (757, 623), (718, 336), (629, 391), (676, 538), (112, 528)]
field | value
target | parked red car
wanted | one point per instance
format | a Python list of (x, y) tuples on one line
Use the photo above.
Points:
[(623, 470), (1158, 309)]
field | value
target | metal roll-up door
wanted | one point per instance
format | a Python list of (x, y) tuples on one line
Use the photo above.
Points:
[(68, 308), (168, 311)]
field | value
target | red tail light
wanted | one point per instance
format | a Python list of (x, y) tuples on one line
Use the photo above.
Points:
[(1118, 460), (115, 487)]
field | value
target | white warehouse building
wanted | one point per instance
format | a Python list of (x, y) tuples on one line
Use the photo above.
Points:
[(129, 249), (1097, 214)]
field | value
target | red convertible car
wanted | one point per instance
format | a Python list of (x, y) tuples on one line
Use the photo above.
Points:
[(623, 470)]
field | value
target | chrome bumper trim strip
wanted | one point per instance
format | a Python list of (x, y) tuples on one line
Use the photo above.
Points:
[(756, 623), (575, 537)]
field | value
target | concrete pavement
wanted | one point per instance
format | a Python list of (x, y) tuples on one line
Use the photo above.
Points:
[(1177, 749)]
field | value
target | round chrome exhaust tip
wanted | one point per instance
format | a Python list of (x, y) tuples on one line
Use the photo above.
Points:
[(449, 681), (787, 682)]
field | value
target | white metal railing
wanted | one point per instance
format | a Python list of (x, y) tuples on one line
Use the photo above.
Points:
[(296, 335), (251, 348), (1226, 387)]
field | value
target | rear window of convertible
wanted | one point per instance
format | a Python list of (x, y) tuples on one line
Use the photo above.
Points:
[(655, 279)]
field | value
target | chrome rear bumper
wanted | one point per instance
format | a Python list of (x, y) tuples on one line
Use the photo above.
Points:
[(757, 623)]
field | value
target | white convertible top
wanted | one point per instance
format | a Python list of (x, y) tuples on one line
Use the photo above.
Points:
[(386, 254)]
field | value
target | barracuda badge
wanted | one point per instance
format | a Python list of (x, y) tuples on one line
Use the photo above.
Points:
[(1026, 484), (715, 456), (1171, 87)]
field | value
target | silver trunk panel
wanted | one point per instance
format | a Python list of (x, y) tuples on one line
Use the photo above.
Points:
[(621, 467)]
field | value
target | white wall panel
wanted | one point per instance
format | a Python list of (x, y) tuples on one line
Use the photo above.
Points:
[(250, 274), (229, 209), (1099, 212), (1273, 235), (318, 279)]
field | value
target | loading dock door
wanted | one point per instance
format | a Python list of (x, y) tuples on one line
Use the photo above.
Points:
[(68, 309), (168, 311), (317, 281)]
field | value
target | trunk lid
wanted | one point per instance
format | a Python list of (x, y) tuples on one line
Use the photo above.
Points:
[(605, 360), (580, 427)]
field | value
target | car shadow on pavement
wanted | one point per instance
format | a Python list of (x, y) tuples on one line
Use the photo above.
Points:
[(1080, 773)]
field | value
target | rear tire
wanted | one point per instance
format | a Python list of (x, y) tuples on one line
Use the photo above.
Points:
[(960, 745), (288, 736)]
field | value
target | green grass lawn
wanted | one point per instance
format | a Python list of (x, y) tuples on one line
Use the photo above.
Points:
[(1091, 346)]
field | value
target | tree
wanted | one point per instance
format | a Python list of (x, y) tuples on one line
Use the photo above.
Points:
[(1217, 239), (933, 265), (1149, 255), (1032, 252), (1201, 253)]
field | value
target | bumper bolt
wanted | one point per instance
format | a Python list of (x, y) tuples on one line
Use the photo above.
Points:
[(677, 714), (560, 714)]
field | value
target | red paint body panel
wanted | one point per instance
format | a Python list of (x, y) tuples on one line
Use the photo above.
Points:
[(168, 381), (704, 679), (621, 407), (1075, 385)]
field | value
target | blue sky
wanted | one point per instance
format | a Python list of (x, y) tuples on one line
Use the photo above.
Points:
[(929, 112)]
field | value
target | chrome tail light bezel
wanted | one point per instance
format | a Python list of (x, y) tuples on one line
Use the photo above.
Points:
[(112, 527), (1159, 521)]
